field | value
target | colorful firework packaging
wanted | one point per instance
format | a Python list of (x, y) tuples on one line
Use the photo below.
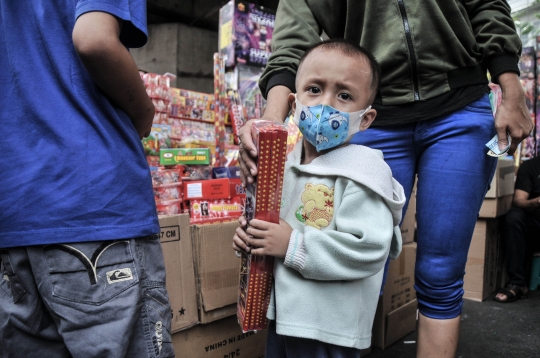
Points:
[(263, 201)]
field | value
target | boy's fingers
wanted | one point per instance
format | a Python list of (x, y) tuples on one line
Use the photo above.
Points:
[(259, 224), (256, 233), (259, 251), (238, 243)]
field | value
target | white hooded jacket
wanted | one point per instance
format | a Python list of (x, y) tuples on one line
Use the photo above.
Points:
[(345, 208)]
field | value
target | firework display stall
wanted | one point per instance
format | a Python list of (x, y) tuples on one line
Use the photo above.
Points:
[(218, 300)]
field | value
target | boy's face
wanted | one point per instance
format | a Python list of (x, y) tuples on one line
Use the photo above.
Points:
[(333, 78)]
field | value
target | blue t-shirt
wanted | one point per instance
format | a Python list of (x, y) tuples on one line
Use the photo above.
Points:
[(72, 165)]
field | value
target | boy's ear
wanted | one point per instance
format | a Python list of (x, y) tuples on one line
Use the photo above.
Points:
[(367, 119), (292, 102)]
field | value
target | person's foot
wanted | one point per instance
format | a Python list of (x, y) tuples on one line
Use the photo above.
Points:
[(511, 293)]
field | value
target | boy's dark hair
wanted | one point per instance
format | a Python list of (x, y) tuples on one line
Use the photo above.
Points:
[(351, 49)]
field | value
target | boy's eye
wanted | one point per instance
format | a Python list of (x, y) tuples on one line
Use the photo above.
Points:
[(345, 96), (314, 90)]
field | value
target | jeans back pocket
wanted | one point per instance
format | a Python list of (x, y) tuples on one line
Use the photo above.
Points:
[(91, 272)]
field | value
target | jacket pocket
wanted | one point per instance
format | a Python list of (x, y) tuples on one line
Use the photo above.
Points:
[(9, 281), (91, 272)]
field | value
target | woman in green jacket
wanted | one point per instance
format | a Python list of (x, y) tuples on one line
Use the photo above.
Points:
[(433, 120)]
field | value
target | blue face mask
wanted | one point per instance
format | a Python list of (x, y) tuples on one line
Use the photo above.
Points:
[(326, 127)]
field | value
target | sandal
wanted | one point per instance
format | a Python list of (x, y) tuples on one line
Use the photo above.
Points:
[(512, 293)]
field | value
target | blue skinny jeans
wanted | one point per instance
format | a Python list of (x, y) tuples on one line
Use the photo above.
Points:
[(454, 172)]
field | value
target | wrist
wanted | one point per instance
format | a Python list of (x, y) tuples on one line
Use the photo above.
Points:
[(510, 85)]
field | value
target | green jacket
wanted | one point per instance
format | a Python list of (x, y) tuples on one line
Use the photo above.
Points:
[(425, 48)]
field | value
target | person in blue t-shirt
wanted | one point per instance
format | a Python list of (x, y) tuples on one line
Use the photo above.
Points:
[(82, 272)]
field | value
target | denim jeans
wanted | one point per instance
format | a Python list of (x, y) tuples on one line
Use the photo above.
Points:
[(448, 154), (91, 299)]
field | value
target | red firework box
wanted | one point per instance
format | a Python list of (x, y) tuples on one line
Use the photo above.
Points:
[(214, 199), (211, 189), (263, 201), (211, 211)]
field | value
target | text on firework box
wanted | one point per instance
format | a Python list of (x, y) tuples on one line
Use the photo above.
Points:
[(245, 33), (396, 311), (175, 156), (180, 273), (220, 339), (216, 268), (204, 210), (213, 189), (263, 202)]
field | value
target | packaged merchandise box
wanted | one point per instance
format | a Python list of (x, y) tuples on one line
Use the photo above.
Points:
[(483, 261), (217, 269), (396, 311), (219, 339), (180, 274), (245, 33), (502, 183), (173, 156)]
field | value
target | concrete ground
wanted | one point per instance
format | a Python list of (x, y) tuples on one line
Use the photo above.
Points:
[(488, 329)]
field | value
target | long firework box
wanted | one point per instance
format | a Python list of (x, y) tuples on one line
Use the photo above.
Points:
[(263, 201)]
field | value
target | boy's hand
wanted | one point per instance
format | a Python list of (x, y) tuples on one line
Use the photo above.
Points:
[(266, 238)]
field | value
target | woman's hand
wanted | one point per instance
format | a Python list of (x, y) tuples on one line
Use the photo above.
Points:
[(512, 115)]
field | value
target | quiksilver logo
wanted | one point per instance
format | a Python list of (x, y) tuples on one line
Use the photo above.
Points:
[(119, 275), (159, 335)]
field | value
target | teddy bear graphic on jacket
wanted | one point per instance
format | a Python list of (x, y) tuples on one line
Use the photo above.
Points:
[(318, 205)]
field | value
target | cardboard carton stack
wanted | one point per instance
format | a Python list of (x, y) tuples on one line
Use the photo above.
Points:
[(202, 282), (484, 272), (396, 311)]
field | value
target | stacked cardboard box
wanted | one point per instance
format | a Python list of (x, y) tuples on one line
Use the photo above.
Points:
[(217, 270), (408, 223), (484, 262), (396, 312), (484, 272), (202, 282), (498, 199), (178, 256), (219, 339)]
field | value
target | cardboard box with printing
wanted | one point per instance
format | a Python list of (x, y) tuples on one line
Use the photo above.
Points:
[(217, 269), (396, 312), (219, 339), (482, 269), (178, 256)]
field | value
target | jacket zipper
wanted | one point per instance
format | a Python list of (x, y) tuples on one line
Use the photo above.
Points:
[(411, 49)]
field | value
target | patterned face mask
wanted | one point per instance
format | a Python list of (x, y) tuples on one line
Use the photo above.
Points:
[(326, 127)]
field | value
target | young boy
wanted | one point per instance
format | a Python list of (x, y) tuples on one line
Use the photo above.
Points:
[(339, 223)]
